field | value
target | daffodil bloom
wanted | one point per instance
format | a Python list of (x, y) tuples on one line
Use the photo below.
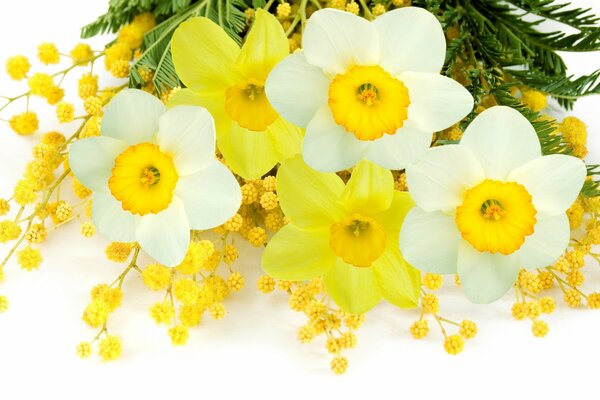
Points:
[(230, 83), (368, 89), (347, 234), (154, 175), (490, 205)]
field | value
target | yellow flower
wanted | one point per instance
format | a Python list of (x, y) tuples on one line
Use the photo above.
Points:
[(29, 259), (348, 234), (25, 123), (17, 67), (110, 348), (81, 54), (230, 81), (48, 53)]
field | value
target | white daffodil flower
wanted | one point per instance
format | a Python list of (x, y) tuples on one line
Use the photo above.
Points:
[(154, 175), (368, 89), (491, 205)]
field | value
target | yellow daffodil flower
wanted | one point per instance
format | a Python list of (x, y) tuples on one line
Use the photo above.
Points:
[(348, 234), (492, 205), (229, 82)]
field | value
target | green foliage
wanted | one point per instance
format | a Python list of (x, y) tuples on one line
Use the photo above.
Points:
[(156, 48), (120, 12)]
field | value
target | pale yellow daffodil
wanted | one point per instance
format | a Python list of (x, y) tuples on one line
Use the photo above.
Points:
[(345, 233), (229, 81)]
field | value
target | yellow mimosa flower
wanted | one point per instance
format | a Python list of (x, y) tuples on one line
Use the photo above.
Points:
[(230, 82)]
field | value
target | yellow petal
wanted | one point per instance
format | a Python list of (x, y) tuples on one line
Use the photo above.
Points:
[(265, 46), (398, 281), (286, 137), (204, 55), (354, 289), (370, 189), (294, 254), (391, 219), (212, 101), (249, 153), (309, 198)]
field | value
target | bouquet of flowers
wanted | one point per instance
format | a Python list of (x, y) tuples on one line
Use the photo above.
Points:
[(369, 147)]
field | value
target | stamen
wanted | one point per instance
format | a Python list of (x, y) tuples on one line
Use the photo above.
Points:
[(367, 93), (357, 227), (150, 177), (492, 209), (253, 91)]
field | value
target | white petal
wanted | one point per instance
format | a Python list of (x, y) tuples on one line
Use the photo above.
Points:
[(438, 181), (188, 133), (335, 40), (165, 236), (211, 196), (412, 39), (502, 139), (436, 101), (400, 150), (93, 159), (485, 277), (419, 230), (553, 181), (110, 218), (328, 147), (132, 115), (548, 241), (297, 89)]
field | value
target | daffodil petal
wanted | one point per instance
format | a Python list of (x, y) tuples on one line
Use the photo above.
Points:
[(413, 40), (548, 241), (485, 277), (438, 181), (188, 133), (294, 254), (307, 197), (210, 196), (419, 231), (110, 218), (553, 181), (250, 154), (328, 147), (266, 45), (369, 190), (392, 219), (400, 150), (132, 116), (213, 101), (204, 55), (293, 79), (334, 40), (436, 101), (93, 159), (491, 137), (286, 138), (354, 289), (165, 236), (399, 282)]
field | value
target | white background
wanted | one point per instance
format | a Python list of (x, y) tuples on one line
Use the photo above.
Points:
[(254, 349)]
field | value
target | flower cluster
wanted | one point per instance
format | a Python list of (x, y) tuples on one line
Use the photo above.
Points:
[(330, 139)]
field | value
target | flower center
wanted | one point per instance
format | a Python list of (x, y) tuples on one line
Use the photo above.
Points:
[(368, 102), (496, 216), (143, 179), (150, 177), (367, 93), (358, 240), (247, 104)]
